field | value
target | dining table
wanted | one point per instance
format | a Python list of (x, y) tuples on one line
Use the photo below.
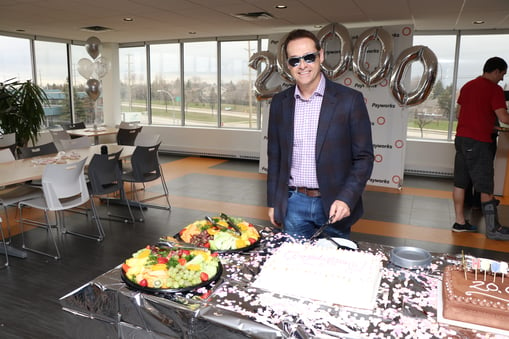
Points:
[(94, 132), (407, 304), (25, 170)]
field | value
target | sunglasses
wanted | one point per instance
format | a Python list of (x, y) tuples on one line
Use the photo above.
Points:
[(308, 59)]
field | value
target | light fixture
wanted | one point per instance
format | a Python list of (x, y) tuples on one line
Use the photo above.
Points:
[(280, 6), (192, 32), (478, 22), (128, 19)]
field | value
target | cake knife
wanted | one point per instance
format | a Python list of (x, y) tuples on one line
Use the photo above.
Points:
[(322, 228)]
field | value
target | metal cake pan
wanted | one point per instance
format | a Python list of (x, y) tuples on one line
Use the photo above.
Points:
[(410, 257)]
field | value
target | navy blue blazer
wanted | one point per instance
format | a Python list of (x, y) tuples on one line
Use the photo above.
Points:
[(344, 150)]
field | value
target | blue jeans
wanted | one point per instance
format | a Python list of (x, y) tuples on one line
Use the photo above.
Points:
[(305, 215)]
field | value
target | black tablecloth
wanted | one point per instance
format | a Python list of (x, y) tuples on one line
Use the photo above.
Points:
[(406, 306)]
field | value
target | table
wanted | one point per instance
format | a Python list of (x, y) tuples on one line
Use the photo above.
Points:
[(93, 132), (23, 170), (406, 306)]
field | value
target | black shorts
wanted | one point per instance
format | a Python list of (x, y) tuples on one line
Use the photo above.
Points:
[(474, 163)]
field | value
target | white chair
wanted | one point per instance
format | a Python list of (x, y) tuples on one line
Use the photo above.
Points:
[(147, 139), (11, 195), (8, 141), (6, 263), (64, 188), (59, 135), (70, 144), (129, 125), (6, 155)]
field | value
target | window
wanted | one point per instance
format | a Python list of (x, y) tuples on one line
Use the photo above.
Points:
[(200, 84), (52, 77), (133, 84), (15, 59), (166, 84), (238, 102), (432, 118)]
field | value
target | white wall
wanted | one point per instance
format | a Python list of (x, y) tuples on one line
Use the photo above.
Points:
[(435, 158), (422, 157), (208, 141)]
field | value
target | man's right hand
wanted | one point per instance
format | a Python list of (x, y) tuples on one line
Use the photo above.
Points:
[(271, 218)]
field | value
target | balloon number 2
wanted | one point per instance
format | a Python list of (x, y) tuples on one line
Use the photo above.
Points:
[(356, 59)]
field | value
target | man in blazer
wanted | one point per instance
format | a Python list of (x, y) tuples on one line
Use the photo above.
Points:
[(320, 151)]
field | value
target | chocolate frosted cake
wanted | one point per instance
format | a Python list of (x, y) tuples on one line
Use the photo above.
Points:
[(482, 301)]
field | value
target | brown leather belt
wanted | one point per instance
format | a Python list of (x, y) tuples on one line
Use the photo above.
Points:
[(310, 192)]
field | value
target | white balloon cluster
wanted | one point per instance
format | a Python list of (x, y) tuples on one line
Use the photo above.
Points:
[(94, 69), (356, 59)]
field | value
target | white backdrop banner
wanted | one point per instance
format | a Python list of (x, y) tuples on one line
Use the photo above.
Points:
[(370, 73)]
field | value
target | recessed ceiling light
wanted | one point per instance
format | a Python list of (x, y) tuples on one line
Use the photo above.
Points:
[(192, 32), (478, 22), (280, 6), (128, 19)]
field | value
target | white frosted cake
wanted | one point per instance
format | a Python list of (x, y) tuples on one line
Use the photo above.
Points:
[(343, 277)]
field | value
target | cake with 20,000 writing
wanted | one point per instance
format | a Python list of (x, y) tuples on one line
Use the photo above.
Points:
[(473, 297), (335, 276)]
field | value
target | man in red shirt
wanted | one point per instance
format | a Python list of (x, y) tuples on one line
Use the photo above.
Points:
[(481, 102)]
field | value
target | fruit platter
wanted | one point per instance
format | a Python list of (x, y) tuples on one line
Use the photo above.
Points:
[(220, 234), (160, 269)]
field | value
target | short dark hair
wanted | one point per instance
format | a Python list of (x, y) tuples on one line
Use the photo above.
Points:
[(299, 34), (494, 64)]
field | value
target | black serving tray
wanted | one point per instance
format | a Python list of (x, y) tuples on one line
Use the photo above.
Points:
[(131, 284), (243, 249)]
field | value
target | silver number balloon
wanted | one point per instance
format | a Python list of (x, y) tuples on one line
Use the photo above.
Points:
[(93, 47), (93, 89), (430, 63), (385, 56), (282, 64), (262, 92), (344, 53)]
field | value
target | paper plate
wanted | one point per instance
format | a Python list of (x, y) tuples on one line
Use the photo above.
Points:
[(342, 242), (410, 257)]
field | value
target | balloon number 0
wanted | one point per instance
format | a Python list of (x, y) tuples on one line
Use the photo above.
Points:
[(356, 59)]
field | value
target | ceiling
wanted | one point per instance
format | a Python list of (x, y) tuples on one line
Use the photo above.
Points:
[(161, 20)]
